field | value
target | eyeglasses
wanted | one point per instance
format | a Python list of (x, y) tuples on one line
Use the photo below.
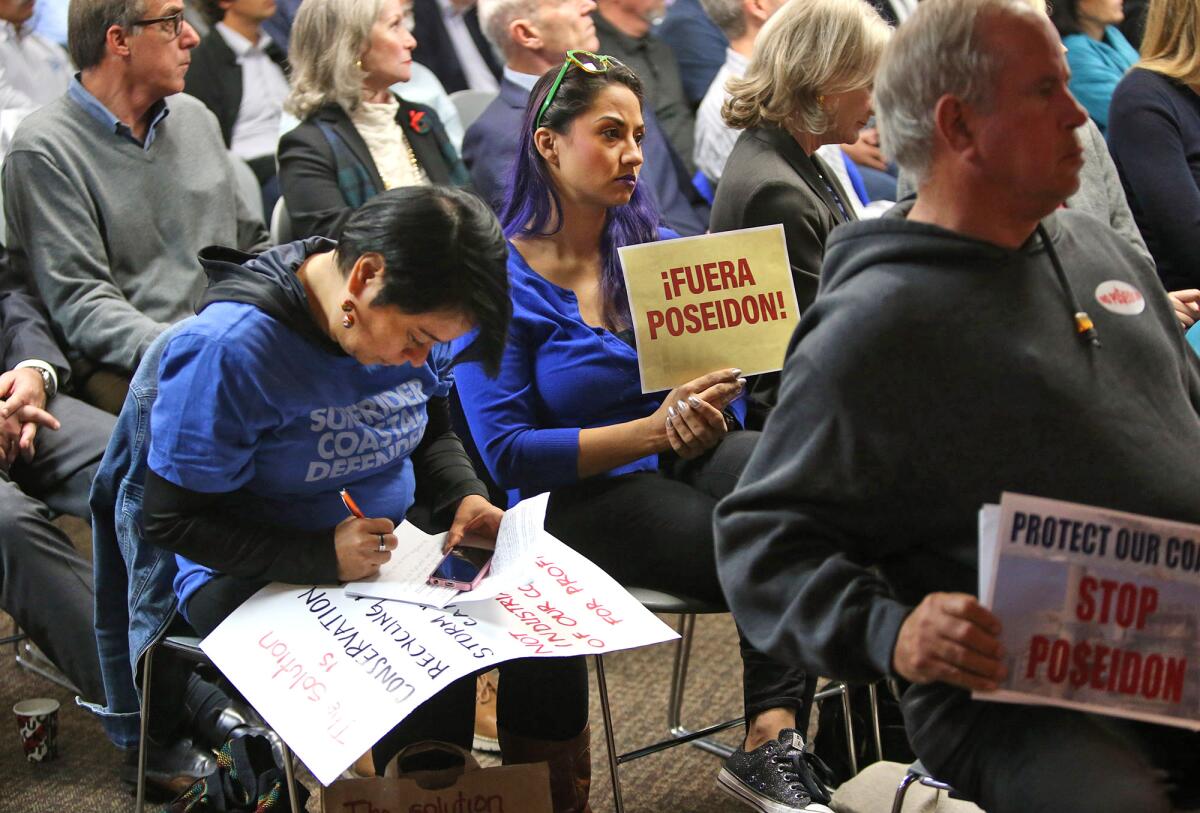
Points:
[(176, 21), (585, 61)]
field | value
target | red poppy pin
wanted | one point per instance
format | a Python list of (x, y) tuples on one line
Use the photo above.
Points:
[(416, 120)]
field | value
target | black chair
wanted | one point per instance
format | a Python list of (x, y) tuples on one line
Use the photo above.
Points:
[(188, 647), (687, 609)]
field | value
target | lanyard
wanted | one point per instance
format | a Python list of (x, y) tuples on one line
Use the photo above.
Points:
[(1084, 327)]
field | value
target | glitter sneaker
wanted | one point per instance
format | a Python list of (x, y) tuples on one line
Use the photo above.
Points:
[(780, 776)]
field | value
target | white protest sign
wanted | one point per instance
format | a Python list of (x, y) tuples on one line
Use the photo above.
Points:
[(333, 673), (1100, 610)]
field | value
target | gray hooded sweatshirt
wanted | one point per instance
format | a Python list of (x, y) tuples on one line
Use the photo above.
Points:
[(933, 372)]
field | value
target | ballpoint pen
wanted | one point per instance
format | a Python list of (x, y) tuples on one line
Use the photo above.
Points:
[(353, 508)]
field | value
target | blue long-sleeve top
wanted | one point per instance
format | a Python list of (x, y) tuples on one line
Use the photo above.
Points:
[(1096, 68), (1155, 143), (559, 375)]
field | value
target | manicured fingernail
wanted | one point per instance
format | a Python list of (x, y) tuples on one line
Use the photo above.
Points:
[(694, 401), (683, 407), (736, 372), (741, 382), (671, 413), (669, 421)]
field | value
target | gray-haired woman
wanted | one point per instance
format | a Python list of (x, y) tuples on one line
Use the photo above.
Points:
[(356, 138), (808, 84)]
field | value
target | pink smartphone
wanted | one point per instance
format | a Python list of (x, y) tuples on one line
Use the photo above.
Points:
[(465, 565)]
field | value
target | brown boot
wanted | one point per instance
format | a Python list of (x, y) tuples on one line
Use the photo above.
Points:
[(485, 713), (570, 764)]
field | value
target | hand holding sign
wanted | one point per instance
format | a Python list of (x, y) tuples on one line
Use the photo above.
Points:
[(1099, 608), (952, 638)]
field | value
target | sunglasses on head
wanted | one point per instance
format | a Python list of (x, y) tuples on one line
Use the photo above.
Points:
[(584, 60)]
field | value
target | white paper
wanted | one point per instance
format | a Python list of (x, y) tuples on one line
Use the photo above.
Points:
[(989, 528), (405, 577), (333, 673), (512, 563), (1100, 610)]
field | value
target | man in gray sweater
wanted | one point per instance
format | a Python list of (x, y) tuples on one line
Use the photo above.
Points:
[(946, 360), (110, 191)]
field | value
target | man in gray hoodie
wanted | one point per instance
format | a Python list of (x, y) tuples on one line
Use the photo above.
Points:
[(947, 358)]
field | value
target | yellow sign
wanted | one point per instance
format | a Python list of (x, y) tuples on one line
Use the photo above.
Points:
[(706, 303)]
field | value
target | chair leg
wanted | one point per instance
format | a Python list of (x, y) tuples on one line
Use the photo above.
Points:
[(37, 663), (609, 739), (145, 729), (849, 730), (902, 791), (289, 772), (683, 654), (33, 661), (873, 695)]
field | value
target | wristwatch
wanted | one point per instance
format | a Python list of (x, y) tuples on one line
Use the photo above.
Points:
[(47, 382)]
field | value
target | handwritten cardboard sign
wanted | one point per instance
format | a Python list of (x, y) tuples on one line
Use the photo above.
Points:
[(1100, 609), (333, 673), (705, 303)]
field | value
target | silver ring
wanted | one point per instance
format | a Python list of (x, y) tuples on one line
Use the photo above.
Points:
[(382, 544)]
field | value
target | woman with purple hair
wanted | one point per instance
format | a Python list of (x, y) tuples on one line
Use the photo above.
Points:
[(633, 479)]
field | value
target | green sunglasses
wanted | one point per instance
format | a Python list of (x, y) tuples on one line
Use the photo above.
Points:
[(585, 61)]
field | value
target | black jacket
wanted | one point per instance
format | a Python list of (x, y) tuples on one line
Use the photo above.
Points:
[(308, 168), (769, 179), (215, 78), (435, 50)]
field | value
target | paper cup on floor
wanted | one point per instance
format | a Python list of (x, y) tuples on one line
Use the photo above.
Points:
[(37, 720)]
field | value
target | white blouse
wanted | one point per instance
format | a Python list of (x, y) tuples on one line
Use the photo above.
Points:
[(388, 144)]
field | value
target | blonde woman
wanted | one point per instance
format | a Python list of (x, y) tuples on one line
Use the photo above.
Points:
[(808, 84), (356, 137), (1154, 138)]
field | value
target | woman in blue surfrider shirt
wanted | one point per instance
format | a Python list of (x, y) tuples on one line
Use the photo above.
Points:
[(633, 479), (319, 366)]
